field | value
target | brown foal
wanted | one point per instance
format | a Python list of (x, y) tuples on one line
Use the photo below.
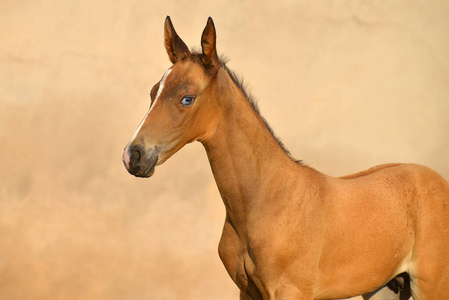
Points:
[(292, 232)]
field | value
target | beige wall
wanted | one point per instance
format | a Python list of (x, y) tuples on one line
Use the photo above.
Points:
[(345, 84)]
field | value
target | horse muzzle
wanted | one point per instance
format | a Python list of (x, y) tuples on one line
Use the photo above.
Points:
[(139, 162)]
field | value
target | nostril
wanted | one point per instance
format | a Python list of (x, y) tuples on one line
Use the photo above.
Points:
[(136, 154)]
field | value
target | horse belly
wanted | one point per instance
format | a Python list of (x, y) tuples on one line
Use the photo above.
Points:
[(358, 278)]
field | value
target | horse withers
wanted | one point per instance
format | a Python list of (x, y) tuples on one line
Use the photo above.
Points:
[(292, 232)]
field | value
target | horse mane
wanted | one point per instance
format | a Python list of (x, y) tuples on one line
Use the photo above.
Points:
[(239, 82)]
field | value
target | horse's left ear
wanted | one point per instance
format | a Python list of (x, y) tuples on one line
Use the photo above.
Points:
[(175, 47), (209, 46)]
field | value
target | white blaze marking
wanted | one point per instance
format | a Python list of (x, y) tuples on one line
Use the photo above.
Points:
[(159, 91)]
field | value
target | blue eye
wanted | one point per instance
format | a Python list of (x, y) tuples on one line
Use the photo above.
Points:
[(187, 100)]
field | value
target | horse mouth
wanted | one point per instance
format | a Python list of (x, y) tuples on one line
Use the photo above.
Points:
[(148, 172)]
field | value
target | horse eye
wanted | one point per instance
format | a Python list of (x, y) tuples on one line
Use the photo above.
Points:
[(187, 101)]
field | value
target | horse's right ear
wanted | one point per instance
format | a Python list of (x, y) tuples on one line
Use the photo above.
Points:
[(175, 47), (209, 46)]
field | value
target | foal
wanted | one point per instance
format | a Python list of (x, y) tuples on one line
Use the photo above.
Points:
[(292, 232)]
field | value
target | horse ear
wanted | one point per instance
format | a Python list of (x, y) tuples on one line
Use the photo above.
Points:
[(208, 44), (176, 48)]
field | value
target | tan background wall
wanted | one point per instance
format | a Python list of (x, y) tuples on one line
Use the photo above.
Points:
[(345, 84)]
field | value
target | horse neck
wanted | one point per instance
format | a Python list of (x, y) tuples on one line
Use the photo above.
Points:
[(243, 154)]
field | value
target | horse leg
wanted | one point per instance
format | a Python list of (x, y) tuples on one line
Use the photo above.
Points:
[(429, 268), (245, 296), (396, 289), (284, 293), (432, 283), (406, 292)]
